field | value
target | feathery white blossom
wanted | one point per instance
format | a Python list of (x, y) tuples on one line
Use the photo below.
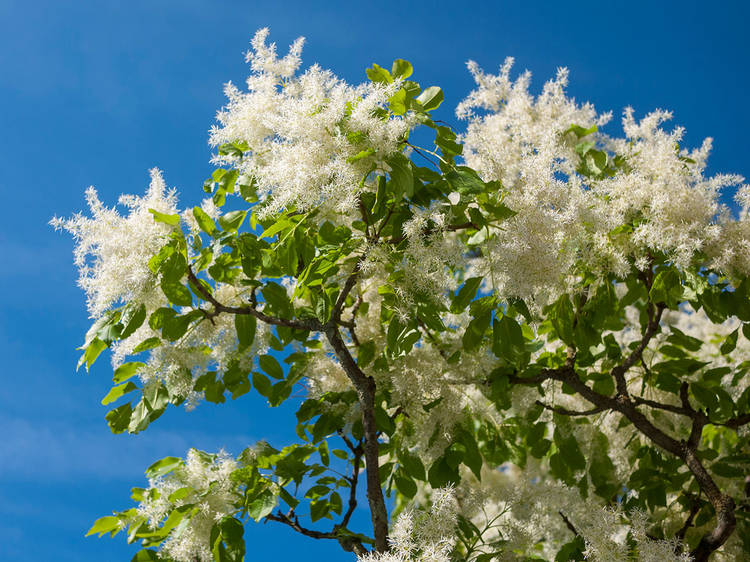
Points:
[(303, 131), (205, 479), (422, 536), (112, 251), (565, 219)]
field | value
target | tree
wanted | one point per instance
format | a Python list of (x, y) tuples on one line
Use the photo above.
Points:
[(533, 337)]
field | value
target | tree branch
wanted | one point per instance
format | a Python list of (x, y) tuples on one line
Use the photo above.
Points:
[(695, 507), (566, 412), (639, 401), (348, 543), (365, 387), (357, 451), (654, 317), (568, 524), (306, 324), (736, 422), (723, 504)]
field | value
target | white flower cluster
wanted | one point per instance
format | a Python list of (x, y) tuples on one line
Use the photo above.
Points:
[(566, 218), (422, 536), (530, 512), (303, 132), (208, 345), (522, 143), (204, 482), (430, 252), (112, 251)]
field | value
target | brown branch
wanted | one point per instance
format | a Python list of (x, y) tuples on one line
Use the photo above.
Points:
[(348, 543), (306, 324), (736, 422), (694, 509), (723, 504), (418, 151), (358, 452), (640, 401), (684, 398), (568, 524), (654, 316), (384, 223), (566, 412), (543, 375), (365, 387)]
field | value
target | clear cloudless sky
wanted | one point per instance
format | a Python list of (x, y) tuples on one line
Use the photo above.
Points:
[(98, 92)]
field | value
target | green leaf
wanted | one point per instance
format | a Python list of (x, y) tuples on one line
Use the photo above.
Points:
[(145, 345), (572, 551), (683, 340), (93, 351), (108, 524), (172, 220), (126, 370), (384, 421), (180, 493), (132, 319), (271, 366), (245, 324), (119, 418), (156, 396), (360, 155), (232, 220), (666, 288), (262, 384), (405, 485), (262, 505), (163, 466), (475, 331), (402, 178), (276, 227), (507, 340), (730, 342), (441, 473), (465, 294), (365, 353), (228, 544), (379, 74), (412, 464), (561, 316), (156, 262), (397, 102), (471, 455), (601, 468), (319, 509), (118, 391), (401, 69), (705, 395), (465, 181), (177, 293), (176, 326), (205, 222), (173, 269), (107, 328), (159, 316), (431, 98), (145, 555), (569, 450), (580, 131)]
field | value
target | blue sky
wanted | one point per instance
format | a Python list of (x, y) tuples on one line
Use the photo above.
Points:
[(96, 93)]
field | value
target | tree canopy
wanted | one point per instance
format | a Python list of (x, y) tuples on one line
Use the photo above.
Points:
[(524, 339)]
